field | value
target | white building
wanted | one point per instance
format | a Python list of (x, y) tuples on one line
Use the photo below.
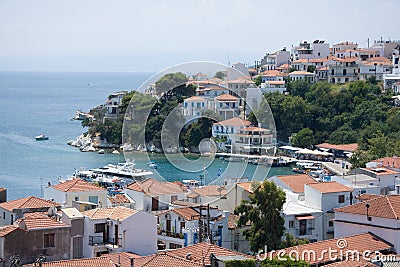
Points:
[(276, 59), (77, 193), (302, 75), (326, 196), (239, 85), (119, 229), (360, 183), (194, 106), (15, 209), (386, 177), (223, 131), (253, 140), (343, 70), (379, 216), (377, 67), (112, 105), (344, 46), (227, 106), (212, 91), (153, 195), (390, 79), (316, 49), (207, 194)]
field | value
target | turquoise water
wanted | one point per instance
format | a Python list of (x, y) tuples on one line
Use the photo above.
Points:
[(33, 103)]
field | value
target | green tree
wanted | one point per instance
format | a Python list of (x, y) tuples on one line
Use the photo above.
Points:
[(262, 210), (258, 80), (311, 68), (304, 138), (298, 88), (170, 81), (220, 75)]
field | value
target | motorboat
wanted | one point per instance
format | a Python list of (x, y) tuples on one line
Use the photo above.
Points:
[(115, 151), (41, 137), (152, 164), (101, 151), (125, 170)]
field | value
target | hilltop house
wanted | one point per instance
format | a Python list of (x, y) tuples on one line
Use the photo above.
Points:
[(15, 209), (119, 229), (343, 70), (77, 193), (273, 60), (112, 105)]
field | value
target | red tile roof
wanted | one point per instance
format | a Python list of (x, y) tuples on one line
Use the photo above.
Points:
[(115, 213), (360, 243), (88, 262), (299, 72), (226, 97), (5, 230), (380, 171), (164, 259), (351, 263), (201, 252), (119, 199), (330, 187), (210, 190), (39, 220), (188, 213), (343, 147), (154, 187), (296, 182), (234, 122), (389, 162), (247, 186), (383, 207), (195, 98), (31, 202), (122, 258), (364, 197), (77, 185)]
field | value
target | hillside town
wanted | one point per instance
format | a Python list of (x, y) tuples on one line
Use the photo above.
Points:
[(330, 203)]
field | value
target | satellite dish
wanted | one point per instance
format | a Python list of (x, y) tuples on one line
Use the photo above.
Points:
[(52, 211)]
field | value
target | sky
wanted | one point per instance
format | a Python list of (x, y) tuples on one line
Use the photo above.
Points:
[(129, 35)]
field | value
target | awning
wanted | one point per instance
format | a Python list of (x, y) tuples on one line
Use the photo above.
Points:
[(305, 217)]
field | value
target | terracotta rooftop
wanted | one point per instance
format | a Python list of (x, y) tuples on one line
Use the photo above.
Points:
[(247, 186), (380, 171), (163, 259), (284, 66), (296, 182), (77, 185), (275, 82), (254, 129), (389, 162), (154, 187), (343, 147), (226, 97), (39, 220), (201, 252), (364, 197), (210, 190), (2, 189), (5, 230), (300, 72), (31, 202), (119, 199), (330, 187), (360, 243), (383, 207), (244, 79), (187, 213), (115, 213), (271, 73), (122, 258), (351, 263), (88, 262), (195, 98), (234, 122)]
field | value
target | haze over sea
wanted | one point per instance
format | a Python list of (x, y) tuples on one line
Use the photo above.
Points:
[(33, 103)]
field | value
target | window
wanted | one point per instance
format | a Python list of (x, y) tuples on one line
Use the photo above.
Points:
[(341, 199), (99, 227), (76, 198), (291, 224), (94, 199), (4, 215), (48, 240), (330, 223), (174, 198), (174, 246)]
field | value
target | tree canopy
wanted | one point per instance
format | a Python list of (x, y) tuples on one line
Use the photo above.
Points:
[(262, 210)]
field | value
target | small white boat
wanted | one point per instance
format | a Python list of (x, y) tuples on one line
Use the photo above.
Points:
[(101, 151), (41, 137), (115, 151), (152, 164)]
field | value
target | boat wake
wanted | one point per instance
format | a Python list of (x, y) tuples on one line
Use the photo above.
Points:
[(30, 141)]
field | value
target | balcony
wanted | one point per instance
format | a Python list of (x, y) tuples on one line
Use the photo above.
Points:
[(99, 240), (170, 234)]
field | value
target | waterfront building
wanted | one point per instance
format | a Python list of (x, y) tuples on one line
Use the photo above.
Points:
[(15, 209), (77, 193), (253, 140), (119, 229), (223, 131), (112, 105)]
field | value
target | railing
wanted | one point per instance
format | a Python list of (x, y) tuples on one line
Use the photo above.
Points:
[(170, 234), (99, 240)]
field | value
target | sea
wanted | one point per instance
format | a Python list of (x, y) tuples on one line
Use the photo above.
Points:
[(34, 103)]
